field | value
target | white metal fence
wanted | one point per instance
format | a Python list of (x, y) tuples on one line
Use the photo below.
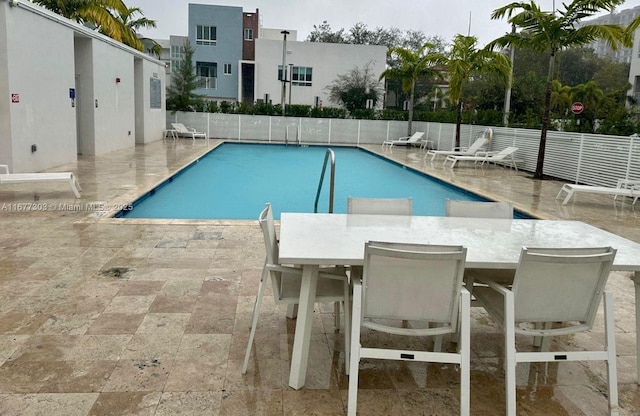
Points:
[(582, 158)]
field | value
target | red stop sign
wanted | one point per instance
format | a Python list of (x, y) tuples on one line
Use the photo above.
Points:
[(577, 107)]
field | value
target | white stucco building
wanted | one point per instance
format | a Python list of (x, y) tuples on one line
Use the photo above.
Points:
[(315, 66), (67, 89)]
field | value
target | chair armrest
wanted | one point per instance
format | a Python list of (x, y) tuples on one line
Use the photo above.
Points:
[(493, 285), (485, 154), (5, 168), (336, 273)]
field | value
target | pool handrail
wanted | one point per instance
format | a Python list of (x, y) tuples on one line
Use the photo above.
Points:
[(329, 153)]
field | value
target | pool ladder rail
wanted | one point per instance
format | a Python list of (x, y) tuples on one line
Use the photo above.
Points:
[(297, 139), (329, 155)]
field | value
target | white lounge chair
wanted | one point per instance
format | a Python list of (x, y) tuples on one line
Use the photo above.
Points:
[(181, 129), (8, 178), (484, 157), (476, 146), (570, 189), (482, 139), (414, 139)]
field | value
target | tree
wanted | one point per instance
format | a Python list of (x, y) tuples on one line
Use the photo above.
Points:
[(413, 66), (180, 96), (463, 62), (130, 26), (323, 33), (98, 14), (551, 32), (353, 89)]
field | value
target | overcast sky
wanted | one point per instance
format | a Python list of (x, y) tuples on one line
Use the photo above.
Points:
[(444, 18)]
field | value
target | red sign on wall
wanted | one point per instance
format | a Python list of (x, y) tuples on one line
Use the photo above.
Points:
[(15, 98)]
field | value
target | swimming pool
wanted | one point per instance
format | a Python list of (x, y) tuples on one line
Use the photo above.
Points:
[(235, 180)]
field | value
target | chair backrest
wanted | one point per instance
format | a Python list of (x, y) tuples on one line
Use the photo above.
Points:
[(477, 145), (180, 127), (380, 206), (508, 151), (478, 209), (269, 233), (414, 282), (416, 136), (561, 284)]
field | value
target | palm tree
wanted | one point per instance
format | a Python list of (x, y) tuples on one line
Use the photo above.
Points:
[(94, 13), (411, 67), (560, 98), (463, 62), (591, 96), (131, 25), (552, 31)]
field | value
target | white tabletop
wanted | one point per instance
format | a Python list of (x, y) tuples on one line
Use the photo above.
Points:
[(491, 243)]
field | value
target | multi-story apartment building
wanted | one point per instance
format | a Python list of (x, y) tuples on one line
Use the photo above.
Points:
[(236, 59), (622, 18)]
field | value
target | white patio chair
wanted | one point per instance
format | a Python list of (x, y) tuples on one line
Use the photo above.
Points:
[(333, 285), (414, 282), (476, 146), (478, 209), (414, 139), (380, 206), (561, 285), (182, 130), (503, 155)]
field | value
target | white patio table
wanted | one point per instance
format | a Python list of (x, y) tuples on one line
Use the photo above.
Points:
[(311, 240)]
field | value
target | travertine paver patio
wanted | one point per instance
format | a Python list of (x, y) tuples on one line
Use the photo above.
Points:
[(102, 316)]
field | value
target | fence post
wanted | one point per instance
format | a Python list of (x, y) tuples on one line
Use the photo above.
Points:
[(626, 176), (269, 129), (579, 158), (239, 126), (329, 139), (358, 138)]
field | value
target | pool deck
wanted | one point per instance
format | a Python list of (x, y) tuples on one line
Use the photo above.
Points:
[(102, 316)]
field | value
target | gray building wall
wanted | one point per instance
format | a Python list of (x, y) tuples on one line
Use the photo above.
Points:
[(227, 49)]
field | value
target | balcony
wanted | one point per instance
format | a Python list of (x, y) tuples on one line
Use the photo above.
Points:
[(207, 83)]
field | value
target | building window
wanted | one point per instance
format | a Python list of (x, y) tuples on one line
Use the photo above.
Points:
[(302, 76), (248, 34), (206, 35), (280, 73), (227, 69), (207, 75), (177, 52)]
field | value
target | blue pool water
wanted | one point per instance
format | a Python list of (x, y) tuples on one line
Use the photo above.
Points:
[(235, 180)]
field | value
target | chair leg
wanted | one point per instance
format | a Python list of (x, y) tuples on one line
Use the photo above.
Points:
[(347, 326), (610, 345), (510, 353), (354, 359), (336, 315), (254, 320), (465, 352)]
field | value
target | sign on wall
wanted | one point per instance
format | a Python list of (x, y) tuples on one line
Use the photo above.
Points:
[(156, 93)]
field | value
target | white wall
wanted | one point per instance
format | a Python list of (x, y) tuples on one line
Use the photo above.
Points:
[(150, 122), (328, 60), (115, 114), (42, 57), (5, 119), (39, 67), (634, 69)]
